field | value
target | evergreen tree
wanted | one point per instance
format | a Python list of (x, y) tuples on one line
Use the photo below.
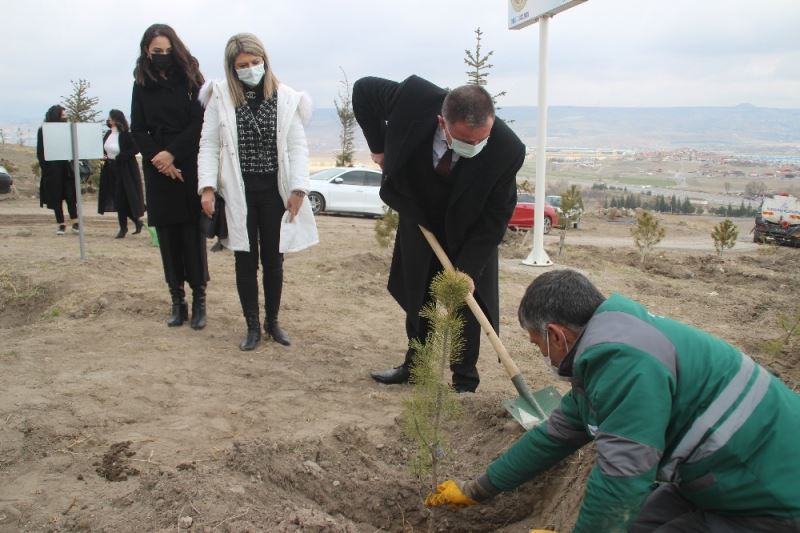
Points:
[(79, 105), (347, 119), (479, 67), (724, 234), (646, 233)]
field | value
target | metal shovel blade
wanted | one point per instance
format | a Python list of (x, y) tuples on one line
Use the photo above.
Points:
[(528, 416)]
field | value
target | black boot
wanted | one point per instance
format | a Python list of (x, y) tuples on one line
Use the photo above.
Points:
[(253, 333), (198, 307), (121, 233), (180, 311), (139, 225), (273, 287), (274, 330)]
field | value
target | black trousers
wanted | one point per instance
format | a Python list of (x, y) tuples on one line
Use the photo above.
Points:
[(183, 255), (264, 212), (465, 372), (68, 194), (666, 511), (123, 207)]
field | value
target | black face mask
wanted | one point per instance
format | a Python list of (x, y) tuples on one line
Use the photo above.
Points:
[(162, 61)]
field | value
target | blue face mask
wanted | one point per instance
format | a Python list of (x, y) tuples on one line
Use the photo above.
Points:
[(465, 149)]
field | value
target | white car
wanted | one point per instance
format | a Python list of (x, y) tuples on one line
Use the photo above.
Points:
[(346, 190)]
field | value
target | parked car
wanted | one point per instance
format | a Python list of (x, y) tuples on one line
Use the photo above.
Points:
[(5, 181), (574, 214), (523, 213), (346, 190)]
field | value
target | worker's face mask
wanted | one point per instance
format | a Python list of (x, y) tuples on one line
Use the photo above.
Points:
[(464, 149), (251, 76)]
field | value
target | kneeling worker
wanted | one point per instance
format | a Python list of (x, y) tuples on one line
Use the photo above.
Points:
[(691, 434)]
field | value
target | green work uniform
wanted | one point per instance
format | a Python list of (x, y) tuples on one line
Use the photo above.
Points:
[(666, 402)]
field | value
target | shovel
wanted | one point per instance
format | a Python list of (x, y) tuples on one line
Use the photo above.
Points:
[(531, 408)]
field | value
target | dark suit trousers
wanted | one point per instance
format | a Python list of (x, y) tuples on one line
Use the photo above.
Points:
[(465, 372)]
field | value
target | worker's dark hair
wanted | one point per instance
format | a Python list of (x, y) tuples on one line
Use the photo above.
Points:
[(564, 297), (119, 119), (469, 103)]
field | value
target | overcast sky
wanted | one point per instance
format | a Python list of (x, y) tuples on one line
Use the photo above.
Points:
[(601, 53)]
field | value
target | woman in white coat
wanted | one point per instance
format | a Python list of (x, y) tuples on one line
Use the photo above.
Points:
[(253, 152)]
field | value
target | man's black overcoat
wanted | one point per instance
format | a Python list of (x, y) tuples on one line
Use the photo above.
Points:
[(396, 118)]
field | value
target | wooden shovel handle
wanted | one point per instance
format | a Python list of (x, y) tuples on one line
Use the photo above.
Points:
[(505, 359)]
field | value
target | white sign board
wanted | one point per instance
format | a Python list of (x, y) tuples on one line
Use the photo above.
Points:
[(523, 13), (58, 141)]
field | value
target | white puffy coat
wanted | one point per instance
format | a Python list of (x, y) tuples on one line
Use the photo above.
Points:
[(218, 162)]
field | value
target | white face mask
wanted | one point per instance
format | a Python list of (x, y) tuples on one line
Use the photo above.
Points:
[(553, 368), (251, 76), (465, 149)]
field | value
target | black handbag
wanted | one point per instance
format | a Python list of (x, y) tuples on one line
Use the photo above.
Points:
[(217, 225)]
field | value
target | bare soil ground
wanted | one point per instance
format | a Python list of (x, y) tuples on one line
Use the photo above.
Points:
[(110, 421)]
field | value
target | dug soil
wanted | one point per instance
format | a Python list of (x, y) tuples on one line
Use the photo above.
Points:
[(111, 421)]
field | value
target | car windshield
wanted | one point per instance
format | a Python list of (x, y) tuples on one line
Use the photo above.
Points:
[(326, 174), (553, 200)]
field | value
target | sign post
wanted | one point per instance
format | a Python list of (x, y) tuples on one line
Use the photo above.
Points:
[(74, 141), (522, 13)]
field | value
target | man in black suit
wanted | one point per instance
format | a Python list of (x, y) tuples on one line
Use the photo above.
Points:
[(450, 166)]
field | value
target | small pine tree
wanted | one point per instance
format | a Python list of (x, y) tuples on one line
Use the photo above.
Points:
[(724, 234), (480, 66), (646, 233), (386, 228), (571, 207), (344, 110), (79, 105), (433, 402)]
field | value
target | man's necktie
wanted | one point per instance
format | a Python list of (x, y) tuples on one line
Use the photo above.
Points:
[(443, 166)]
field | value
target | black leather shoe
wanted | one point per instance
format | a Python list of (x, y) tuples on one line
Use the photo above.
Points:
[(391, 376)]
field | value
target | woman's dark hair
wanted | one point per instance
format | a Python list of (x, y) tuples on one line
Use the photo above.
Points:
[(54, 114), (119, 119), (184, 61)]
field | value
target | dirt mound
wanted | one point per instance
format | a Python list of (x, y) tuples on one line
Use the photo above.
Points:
[(22, 299), (114, 465)]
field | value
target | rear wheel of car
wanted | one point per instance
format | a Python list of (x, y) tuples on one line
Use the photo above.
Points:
[(317, 202), (548, 225)]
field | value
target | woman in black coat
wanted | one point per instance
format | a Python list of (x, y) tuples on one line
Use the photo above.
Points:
[(57, 183), (120, 181), (166, 119)]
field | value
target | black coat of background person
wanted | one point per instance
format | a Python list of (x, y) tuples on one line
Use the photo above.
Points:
[(166, 115), (52, 187), (119, 173), (396, 119)]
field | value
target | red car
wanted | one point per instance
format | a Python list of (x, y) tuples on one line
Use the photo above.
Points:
[(523, 213)]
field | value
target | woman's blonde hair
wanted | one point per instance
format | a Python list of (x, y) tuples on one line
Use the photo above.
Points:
[(247, 43)]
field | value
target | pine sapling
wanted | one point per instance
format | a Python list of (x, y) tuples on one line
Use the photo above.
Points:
[(646, 233), (433, 402), (724, 234), (386, 227)]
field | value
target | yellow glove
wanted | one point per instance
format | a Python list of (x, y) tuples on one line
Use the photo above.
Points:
[(448, 493)]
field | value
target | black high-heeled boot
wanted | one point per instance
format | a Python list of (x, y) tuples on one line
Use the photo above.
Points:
[(198, 307), (180, 311), (139, 225), (274, 330), (253, 333)]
